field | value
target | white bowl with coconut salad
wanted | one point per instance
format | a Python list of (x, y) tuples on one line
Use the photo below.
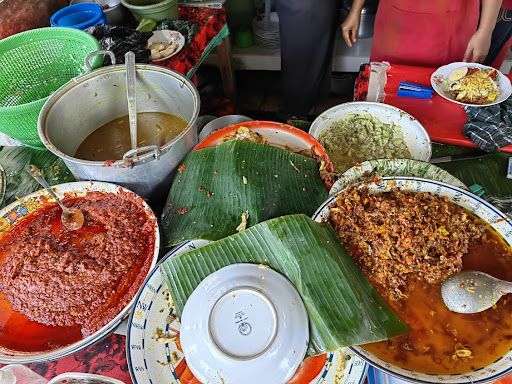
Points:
[(358, 131)]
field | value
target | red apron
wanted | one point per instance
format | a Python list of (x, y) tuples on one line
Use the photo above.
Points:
[(427, 33)]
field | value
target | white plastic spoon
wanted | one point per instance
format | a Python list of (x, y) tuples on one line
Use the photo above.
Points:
[(473, 291)]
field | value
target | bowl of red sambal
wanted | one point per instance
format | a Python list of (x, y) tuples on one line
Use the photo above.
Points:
[(408, 235), (62, 290)]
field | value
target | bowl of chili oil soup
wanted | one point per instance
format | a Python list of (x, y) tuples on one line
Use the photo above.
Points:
[(408, 236)]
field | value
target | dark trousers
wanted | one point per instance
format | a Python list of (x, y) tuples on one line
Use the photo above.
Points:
[(500, 35), (307, 31)]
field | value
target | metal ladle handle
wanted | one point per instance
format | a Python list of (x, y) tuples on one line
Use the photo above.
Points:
[(133, 155), (36, 174), (131, 74), (96, 53), (504, 286)]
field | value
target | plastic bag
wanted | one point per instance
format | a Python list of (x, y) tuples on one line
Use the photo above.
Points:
[(19, 374), (120, 40), (186, 28)]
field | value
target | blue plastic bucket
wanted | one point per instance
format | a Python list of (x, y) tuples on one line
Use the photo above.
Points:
[(79, 16)]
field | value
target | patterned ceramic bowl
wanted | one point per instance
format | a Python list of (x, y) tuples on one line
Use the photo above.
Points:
[(14, 214), (497, 220), (367, 170)]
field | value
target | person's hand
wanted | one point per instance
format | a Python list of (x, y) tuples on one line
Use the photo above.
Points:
[(478, 47), (350, 26)]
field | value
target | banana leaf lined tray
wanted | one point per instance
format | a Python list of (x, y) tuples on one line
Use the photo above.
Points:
[(215, 187)]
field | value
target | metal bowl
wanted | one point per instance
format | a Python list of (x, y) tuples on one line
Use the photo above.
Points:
[(15, 213), (89, 101), (221, 122)]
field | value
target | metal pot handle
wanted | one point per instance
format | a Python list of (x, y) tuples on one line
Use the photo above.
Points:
[(96, 53), (131, 156)]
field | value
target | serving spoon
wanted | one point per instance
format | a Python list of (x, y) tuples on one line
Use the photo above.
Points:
[(129, 59), (71, 218), (473, 291)]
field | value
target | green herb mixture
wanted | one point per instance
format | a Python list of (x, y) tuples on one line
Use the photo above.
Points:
[(362, 137)]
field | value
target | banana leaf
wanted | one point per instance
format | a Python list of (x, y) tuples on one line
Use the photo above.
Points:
[(15, 161), (215, 186), (343, 307)]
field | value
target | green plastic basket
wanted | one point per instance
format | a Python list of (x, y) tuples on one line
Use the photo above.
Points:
[(34, 64)]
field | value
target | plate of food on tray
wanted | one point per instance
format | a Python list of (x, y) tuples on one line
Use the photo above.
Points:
[(471, 84), (155, 354), (164, 44)]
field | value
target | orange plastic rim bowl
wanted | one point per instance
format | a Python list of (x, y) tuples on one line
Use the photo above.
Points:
[(277, 134)]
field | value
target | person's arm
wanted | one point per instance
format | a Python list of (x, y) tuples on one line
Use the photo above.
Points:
[(350, 25), (478, 45)]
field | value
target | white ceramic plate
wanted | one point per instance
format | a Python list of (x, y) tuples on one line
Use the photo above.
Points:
[(415, 136), (367, 170), (151, 362), (499, 221), (244, 324), (439, 81), (16, 211), (164, 37)]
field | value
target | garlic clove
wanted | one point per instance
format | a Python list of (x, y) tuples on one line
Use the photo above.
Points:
[(155, 55), (158, 47), (167, 52)]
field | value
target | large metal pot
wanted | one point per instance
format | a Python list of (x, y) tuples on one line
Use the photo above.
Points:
[(87, 102)]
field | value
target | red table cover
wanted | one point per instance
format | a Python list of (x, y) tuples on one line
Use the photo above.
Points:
[(106, 357), (210, 22), (442, 118)]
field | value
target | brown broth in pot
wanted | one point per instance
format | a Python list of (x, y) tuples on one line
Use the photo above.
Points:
[(112, 140), (439, 337)]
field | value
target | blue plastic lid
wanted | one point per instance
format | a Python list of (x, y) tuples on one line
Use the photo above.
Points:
[(79, 16)]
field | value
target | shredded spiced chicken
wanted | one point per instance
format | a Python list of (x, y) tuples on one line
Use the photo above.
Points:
[(400, 238)]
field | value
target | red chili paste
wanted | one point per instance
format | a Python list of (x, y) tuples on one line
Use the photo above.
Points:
[(79, 278)]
